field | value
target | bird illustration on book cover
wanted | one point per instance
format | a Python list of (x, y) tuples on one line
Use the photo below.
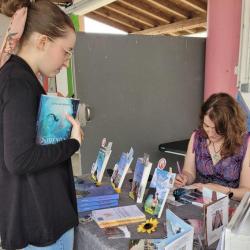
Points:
[(52, 124)]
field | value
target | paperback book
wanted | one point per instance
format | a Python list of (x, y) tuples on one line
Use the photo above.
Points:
[(52, 124), (99, 166), (140, 179), (90, 207), (88, 192), (159, 188), (118, 216), (121, 169)]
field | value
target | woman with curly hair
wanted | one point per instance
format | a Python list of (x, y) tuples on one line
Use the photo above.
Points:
[(218, 155)]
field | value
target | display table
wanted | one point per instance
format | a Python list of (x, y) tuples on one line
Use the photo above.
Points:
[(90, 237)]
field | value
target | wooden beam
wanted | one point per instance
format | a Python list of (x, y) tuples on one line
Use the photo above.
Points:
[(175, 27), (131, 13), (204, 26), (109, 22), (196, 4), (198, 30), (121, 19), (147, 9), (172, 8), (189, 31), (83, 7)]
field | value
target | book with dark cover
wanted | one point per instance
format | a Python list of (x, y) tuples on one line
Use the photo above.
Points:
[(52, 124)]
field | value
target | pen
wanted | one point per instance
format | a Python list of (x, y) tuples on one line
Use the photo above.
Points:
[(179, 168)]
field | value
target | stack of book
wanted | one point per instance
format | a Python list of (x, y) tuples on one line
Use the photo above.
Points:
[(91, 197), (118, 216)]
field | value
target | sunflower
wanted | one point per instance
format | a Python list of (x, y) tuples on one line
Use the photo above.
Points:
[(148, 226)]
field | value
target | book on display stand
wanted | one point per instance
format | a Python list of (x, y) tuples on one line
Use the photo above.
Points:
[(99, 166), (141, 174), (159, 188), (121, 169)]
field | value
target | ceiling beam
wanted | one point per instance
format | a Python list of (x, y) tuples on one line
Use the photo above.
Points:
[(172, 8), (147, 9), (189, 31), (131, 13), (109, 22), (83, 7), (119, 19), (196, 4), (175, 27)]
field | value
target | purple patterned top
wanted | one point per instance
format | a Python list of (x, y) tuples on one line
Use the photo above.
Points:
[(225, 172)]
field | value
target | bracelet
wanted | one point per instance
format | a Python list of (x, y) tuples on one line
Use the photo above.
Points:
[(230, 193)]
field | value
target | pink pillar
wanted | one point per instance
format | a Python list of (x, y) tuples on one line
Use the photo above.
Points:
[(222, 47)]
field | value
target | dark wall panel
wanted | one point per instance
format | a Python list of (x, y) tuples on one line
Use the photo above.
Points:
[(143, 91)]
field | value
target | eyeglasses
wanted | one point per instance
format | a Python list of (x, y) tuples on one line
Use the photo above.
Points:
[(67, 53)]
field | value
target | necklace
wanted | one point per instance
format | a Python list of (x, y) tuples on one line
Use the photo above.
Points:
[(216, 156)]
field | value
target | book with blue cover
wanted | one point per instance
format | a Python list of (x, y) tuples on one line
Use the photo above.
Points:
[(88, 192), (52, 124), (95, 203), (158, 191), (99, 166), (140, 178), (91, 206), (121, 169)]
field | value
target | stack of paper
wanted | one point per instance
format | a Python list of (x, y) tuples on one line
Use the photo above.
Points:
[(118, 216)]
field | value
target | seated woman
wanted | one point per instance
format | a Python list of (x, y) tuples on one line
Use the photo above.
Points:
[(218, 154)]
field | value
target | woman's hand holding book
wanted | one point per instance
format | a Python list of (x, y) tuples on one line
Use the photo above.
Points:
[(77, 132)]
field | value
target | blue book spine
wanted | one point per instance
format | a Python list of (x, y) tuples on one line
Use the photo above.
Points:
[(94, 203), (90, 208), (52, 124), (99, 198)]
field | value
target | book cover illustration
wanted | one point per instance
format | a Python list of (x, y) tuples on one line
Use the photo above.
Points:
[(99, 166), (52, 124), (158, 191), (216, 218), (121, 169), (140, 178)]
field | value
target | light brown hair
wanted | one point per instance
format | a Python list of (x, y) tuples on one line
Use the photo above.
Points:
[(43, 17), (229, 120)]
